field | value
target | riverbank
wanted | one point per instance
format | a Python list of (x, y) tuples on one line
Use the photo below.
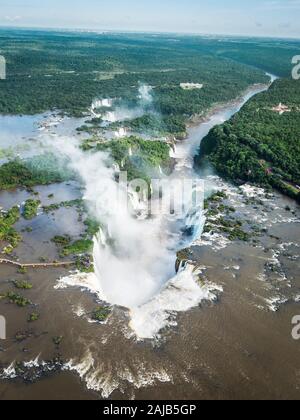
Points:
[(196, 120)]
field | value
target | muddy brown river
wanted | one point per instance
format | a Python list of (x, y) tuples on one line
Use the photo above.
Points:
[(236, 345)]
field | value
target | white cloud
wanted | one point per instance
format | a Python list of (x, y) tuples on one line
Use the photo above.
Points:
[(12, 18)]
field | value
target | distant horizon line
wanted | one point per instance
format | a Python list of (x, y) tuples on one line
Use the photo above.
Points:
[(149, 32)]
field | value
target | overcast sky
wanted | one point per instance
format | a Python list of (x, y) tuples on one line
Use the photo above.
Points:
[(254, 17)]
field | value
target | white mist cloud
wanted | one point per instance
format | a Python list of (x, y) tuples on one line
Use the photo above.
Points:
[(134, 263)]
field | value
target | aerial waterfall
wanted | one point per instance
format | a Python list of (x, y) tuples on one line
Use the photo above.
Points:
[(134, 254)]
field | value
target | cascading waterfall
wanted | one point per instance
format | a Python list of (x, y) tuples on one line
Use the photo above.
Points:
[(136, 260), (135, 257), (99, 104)]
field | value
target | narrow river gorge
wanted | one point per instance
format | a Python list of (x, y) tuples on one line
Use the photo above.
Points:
[(207, 331)]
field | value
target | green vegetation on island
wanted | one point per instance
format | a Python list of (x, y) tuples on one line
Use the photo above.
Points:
[(154, 125), (78, 203), (57, 340), (221, 218), (17, 299), (39, 170), (61, 240), (22, 284), (101, 313), (81, 246), (7, 232), (138, 156), (33, 317)]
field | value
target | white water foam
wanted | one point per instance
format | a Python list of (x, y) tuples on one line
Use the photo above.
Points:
[(96, 375), (180, 294), (9, 372), (85, 281), (123, 112), (137, 272), (275, 302)]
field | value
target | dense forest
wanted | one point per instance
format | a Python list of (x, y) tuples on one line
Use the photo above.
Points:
[(260, 144), (67, 71)]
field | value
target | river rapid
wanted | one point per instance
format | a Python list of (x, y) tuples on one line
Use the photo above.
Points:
[(227, 336)]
